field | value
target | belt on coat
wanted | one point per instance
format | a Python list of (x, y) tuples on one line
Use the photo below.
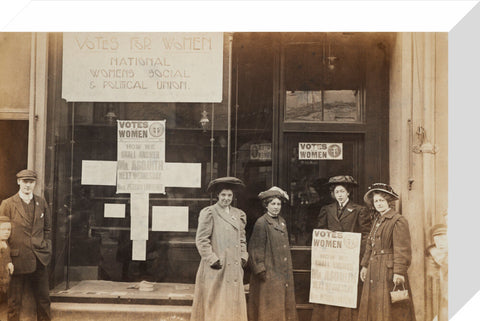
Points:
[(382, 252)]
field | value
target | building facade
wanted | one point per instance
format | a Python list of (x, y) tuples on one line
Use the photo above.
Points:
[(295, 109)]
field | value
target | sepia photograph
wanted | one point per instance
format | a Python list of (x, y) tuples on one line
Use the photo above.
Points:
[(224, 176)]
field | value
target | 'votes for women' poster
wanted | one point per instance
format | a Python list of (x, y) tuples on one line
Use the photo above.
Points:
[(141, 156), (335, 268)]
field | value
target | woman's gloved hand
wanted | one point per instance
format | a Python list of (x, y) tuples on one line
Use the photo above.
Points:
[(262, 275), (244, 263), (217, 265), (363, 274), (398, 279)]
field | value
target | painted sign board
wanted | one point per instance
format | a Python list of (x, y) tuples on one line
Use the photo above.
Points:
[(143, 67)]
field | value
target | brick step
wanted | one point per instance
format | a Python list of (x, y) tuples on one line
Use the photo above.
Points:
[(126, 312)]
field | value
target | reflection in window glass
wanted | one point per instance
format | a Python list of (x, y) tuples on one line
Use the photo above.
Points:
[(304, 106), (322, 106), (341, 105)]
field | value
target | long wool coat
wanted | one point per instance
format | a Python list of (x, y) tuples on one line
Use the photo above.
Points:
[(353, 218), (388, 252), (269, 249), (219, 294)]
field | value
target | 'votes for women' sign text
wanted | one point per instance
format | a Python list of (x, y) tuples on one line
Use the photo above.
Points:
[(143, 67), (141, 156), (335, 263), (320, 151)]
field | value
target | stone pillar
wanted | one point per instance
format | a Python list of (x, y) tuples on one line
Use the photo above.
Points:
[(38, 107), (418, 117)]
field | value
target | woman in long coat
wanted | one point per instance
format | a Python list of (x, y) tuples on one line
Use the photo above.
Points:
[(272, 292), (344, 216), (219, 293), (387, 257)]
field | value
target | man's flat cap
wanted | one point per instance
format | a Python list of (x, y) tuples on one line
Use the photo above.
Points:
[(27, 174)]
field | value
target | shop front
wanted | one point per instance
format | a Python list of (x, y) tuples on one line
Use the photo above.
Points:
[(295, 110), (285, 109)]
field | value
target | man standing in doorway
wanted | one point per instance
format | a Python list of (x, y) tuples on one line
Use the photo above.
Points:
[(30, 246)]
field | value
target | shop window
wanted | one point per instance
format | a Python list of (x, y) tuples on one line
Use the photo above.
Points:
[(97, 247), (254, 167), (252, 120), (100, 247)]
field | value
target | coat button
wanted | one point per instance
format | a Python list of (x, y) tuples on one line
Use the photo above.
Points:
[(286, 285), (371, 281), (284, 258), (381, 251), (284, 246), (236, 262)]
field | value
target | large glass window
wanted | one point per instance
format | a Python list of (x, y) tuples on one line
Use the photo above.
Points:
[(252, 126), (100, 247)]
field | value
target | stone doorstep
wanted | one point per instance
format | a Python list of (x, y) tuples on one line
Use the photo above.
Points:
[(93, 300), (109, 292), (124, 312)]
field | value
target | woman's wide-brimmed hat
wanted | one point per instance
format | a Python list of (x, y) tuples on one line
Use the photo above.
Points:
[(228, 182), (274, 192), (342, 180), (381, 187)]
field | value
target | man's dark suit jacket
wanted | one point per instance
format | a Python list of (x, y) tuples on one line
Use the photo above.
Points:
[(26, 242)]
